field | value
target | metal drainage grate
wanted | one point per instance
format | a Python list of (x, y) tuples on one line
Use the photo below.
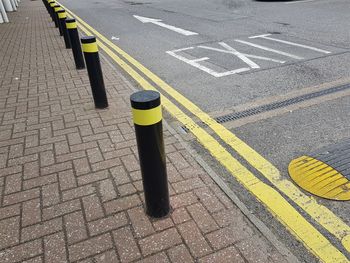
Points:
[(275, 105), (279, 104)]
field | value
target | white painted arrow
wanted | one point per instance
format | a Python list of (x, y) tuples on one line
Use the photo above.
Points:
[(159, 23)]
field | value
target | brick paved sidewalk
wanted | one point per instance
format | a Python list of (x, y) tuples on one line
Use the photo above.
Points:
[(70, 186)]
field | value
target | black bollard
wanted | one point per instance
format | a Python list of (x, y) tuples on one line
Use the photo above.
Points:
[(52, 12), (56, 8), (72, 29), (62, 20), (93, 65), (49, 8), (147, 115)]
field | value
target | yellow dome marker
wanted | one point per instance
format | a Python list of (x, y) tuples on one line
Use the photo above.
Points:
[(319, 178)]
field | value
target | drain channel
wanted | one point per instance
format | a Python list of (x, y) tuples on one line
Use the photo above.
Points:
[(276, 105), (279, 104)]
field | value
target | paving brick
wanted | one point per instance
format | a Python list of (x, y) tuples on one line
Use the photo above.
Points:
[(39, 181), (228, 217), (126, 189), (160, 241), (9, 211), (180, 215), (38, 259), (31, 212), (126, 245), (9, 232), (55, 249), (257, 249), (16, 151), (61, 147), (47, 158), (41, 229), (74, 138), (67, 180), (31, 170), (180, 254), (21, 196), (21, 252), (109, 256), (81, 166), (94, 155), (136, 175), (50, 194), (183, 200), (61, 209), (111, 163), (90, 247), (78, 192), (203, 219), (93, 207), (117, 153), (83, 146), (227, 255), (188, 185), (120, 176), (92, 177), (178, 160), (13, 183), (229, 235), (3, 160), (10, 170), (162, 224), (123, 203), (130, 162), (106, 190), (194, 239), (159, 258), (141, 223), (55, 168), (209, 200), (107, 224), (75, 227)]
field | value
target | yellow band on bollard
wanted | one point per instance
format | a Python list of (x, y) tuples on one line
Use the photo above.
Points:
[(57, 9), (52, 4), (90, 47), (62, 15), (147, 117), (71, 25)]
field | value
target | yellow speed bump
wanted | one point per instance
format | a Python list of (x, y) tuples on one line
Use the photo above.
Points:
[(319, 178)]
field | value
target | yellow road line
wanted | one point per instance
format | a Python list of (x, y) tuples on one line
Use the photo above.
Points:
[(222, 156), (320, 213), (269, 197)]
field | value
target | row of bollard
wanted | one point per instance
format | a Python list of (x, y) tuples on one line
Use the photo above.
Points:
[(146, 111), (7, 6)]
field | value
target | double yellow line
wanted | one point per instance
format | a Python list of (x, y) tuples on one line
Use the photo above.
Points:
[(268, 196)]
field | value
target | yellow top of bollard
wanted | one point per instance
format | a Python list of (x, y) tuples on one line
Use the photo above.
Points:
[(90, 47), (62, 15), (71, 25), (147, 117)]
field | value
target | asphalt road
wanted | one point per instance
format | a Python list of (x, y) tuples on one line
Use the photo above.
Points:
[(239, 54)]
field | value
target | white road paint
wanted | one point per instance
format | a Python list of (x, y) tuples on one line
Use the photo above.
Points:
[(267, 36), (114, 38), (269, 49), (300, 1), (243, 56), (248, 59), (194, 63), (159, 23)]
